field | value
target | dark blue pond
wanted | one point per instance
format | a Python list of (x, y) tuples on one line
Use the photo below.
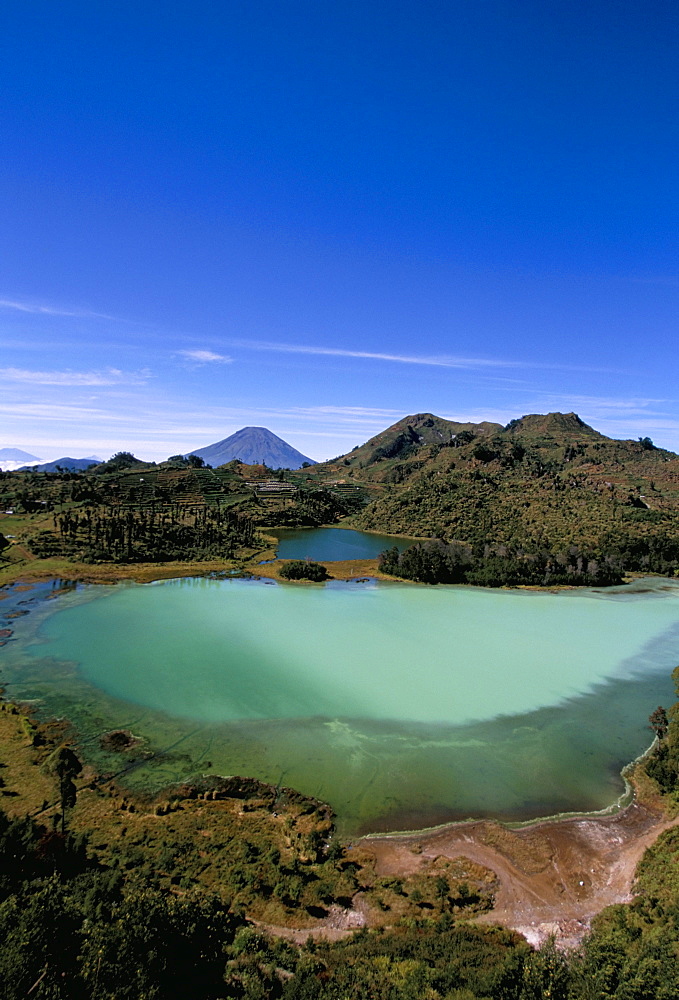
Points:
[(334, 543)]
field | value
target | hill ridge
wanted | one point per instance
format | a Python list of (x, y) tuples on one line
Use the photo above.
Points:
[(544, 482)]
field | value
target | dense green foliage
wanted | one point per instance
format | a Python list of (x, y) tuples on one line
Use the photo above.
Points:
[(436, 562), (662, 763), (311, 507), (121, 460), (127, 511), (542, 501), (73, 930), (544, 498), (106, 533), (302, 569), (66, 766)]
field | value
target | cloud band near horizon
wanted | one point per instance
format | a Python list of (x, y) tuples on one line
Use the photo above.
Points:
[(437, 361)]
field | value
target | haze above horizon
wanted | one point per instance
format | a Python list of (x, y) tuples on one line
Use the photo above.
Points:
[(320, 218)]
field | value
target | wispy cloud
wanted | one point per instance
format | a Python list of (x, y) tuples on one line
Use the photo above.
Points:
[(110, 376), (205, 357), (605, 406), (51, 411), (301, 416), (36, 308), (436, 361), (344, 412), (439, 361)]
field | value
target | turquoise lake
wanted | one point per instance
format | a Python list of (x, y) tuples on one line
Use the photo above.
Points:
[(402, 706)]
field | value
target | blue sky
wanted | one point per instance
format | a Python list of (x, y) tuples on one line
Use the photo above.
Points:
[(318, 217)]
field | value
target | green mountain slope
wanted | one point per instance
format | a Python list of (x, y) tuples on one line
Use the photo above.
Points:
[(398, 451), (542, 483)]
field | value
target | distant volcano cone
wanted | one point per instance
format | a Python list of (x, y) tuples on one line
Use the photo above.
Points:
[(253, 446)]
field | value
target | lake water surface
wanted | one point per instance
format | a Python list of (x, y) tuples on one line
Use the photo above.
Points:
[(400, 705), (334, 543)]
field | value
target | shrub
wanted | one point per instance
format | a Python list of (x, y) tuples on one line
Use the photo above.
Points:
[(300, 569)]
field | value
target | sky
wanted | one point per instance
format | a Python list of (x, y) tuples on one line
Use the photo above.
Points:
[(318, 217)]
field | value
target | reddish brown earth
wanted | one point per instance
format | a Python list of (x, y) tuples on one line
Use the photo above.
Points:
[(554, 875)]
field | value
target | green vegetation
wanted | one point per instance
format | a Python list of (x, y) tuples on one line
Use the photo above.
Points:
[(121, 460), (71, 928), (544, 497), (662, 763), (155, 898), (632, 951), (302, 569), (138, 534), (74, 928), (127, 512), (545, 500), (308, 506), (64, 763), (436, 562)]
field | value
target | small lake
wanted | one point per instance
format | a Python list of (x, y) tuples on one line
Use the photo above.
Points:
[(402, 706), (334, 544)]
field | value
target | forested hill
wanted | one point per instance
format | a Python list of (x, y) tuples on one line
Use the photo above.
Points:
[(546, 499), (542, 483)]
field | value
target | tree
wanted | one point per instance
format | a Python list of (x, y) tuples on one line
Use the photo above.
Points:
[(121, 460), (441, 889), (65, 764), (659, 722)]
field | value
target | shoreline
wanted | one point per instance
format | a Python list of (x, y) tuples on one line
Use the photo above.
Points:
[(612, 809), (626, 798), (42, 570), (554, 876), (536, 860), (262, 562)]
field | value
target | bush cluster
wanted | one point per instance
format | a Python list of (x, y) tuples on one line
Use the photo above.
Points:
[(301, 569)]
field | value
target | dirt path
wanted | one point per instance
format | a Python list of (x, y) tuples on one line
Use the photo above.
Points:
[(554, 875), (339, 924)]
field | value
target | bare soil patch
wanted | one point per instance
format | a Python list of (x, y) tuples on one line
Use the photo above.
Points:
[(554, 876)]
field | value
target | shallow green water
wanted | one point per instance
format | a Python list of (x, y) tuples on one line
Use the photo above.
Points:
[(401, 705), (334, 543)]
